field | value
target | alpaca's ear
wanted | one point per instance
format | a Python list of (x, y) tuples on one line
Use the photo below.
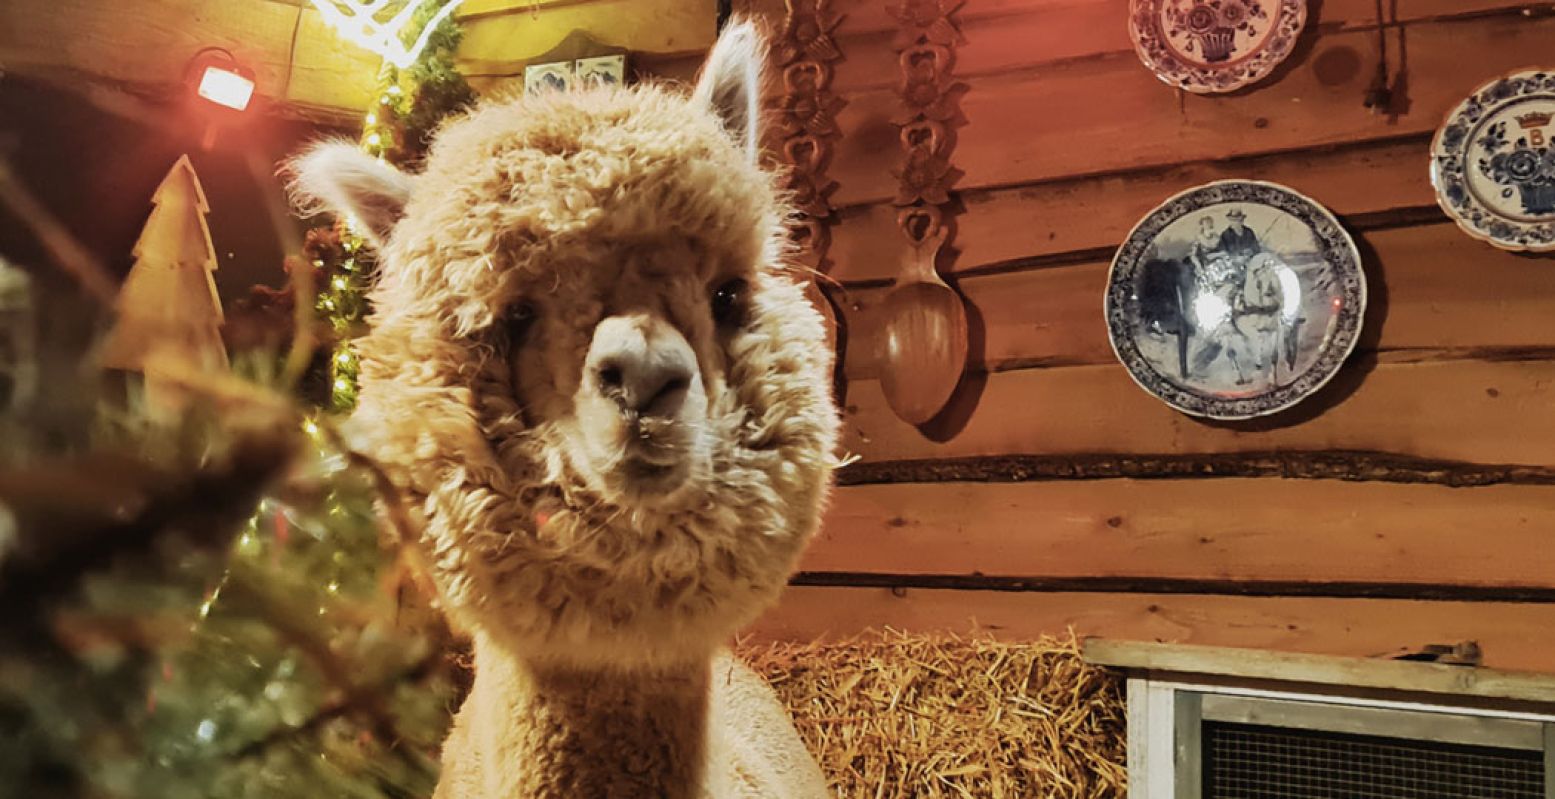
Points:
[(730, 85), (339, 177)]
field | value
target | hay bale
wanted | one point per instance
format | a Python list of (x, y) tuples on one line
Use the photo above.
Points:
[(896, 715)]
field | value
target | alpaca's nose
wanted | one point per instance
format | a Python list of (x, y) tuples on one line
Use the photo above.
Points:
[(642, 363)]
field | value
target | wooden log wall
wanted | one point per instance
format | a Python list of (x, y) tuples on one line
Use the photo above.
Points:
[(1411, 502)]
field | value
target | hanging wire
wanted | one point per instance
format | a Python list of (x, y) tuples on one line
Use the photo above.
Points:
[(1379, 97)]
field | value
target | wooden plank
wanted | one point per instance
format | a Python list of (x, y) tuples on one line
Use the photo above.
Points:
[(1003, 225), (1165, 660), (151, 43), (1472, 411), (1007, 36), (329, 70), (484, 8), (1513, 637), (1195, 529), (861, 17), (1034, 124), (502, 44), (1433, 290)]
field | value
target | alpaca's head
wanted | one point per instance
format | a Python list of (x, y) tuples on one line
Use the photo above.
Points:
[(589, 367)]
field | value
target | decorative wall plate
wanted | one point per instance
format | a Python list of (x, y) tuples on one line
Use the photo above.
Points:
[(1493, 162), (1209, 46), (1235, 299)]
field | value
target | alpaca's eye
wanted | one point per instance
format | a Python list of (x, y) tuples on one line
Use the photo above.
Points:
[(728, 300), (516, 321)]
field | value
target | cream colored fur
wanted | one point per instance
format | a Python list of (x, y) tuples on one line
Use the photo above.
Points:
[(599, 557)]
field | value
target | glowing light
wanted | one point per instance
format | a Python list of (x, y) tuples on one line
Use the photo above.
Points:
[(357, 22), (223, 86), (210, 599), (372, 118), (310, 427), (343, 357), (1209, 311), (373, 139), (1290, 290), (342, 384), (339, 282)]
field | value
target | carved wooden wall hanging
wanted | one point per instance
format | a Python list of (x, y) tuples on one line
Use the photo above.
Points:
[(806, 126), (925, 338)]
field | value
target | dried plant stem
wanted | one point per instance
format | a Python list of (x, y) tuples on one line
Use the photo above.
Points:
[(63, 248)]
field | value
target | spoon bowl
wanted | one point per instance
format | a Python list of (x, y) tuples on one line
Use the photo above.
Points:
[(925, 345)]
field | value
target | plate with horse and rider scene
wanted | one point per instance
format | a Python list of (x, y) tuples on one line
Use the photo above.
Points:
[(1235, 299)]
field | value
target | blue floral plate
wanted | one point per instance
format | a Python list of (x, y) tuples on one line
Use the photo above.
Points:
[(1493, 162), (1235, 299)]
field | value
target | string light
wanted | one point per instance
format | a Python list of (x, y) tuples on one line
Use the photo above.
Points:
[(358, 23)]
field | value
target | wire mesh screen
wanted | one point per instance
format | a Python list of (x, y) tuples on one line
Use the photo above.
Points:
[(1243, 761)]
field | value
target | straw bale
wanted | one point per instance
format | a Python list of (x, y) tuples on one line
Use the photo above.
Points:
[(890, 714)]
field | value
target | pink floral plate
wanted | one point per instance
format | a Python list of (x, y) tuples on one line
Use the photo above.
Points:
[(1213, 46)]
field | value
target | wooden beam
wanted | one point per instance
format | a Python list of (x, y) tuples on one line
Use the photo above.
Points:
[(1038, 225), (296, 57), (1318, 532), (502, 41), (1426, 300), (1513, 637), (1360, 466), (1006, 36), (1026, 126), (1467, 411), (1167, 660)]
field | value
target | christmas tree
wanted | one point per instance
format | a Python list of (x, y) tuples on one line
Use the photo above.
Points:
[(211, 605), (168, 306)]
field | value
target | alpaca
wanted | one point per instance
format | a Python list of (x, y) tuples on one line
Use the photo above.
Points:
[(608, 404)]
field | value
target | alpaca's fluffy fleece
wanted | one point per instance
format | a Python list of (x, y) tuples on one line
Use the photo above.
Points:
[(569, 202)]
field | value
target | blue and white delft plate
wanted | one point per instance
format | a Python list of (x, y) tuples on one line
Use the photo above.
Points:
[(1235, 299), (1209, 46), (1493, 162)]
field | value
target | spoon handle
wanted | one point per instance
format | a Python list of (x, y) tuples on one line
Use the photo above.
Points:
[(925, 230)]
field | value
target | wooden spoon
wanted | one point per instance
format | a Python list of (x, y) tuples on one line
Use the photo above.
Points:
[(925, 340)]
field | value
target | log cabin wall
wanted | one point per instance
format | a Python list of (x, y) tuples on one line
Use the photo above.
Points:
[(1411, 502)]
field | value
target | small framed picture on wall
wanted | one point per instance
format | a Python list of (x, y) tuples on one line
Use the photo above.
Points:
[(554, 76), (607, 70)]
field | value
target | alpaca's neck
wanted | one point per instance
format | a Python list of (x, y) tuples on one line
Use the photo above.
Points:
[(543, 730)]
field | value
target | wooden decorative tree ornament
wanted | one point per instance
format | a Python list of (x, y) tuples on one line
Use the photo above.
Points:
[(168, 306)]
